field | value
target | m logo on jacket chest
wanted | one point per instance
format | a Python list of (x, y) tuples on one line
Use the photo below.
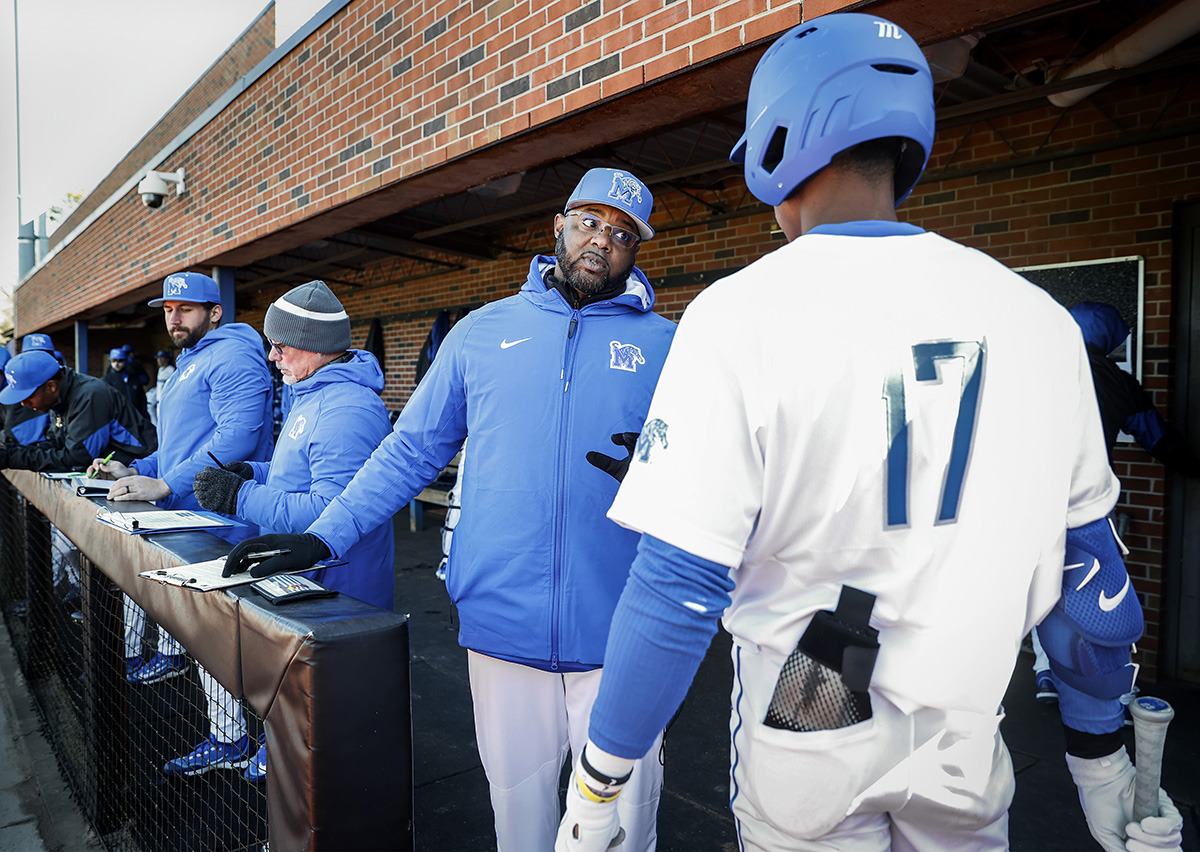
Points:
[(191, 368), (625, 356), (297, 428)]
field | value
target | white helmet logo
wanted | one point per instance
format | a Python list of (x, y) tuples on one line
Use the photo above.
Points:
[(888, 30)]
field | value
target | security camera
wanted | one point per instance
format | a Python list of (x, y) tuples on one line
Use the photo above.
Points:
[(155, 186)]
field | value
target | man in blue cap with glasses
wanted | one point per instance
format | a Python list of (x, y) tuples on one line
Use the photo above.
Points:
[(539, 381)]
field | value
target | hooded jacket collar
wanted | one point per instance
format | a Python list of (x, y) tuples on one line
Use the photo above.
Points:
[(638, 293)]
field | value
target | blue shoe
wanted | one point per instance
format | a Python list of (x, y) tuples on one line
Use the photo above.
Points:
[(1047, 692), (256, 771), (159, 667), (209, 755), (132, 664)]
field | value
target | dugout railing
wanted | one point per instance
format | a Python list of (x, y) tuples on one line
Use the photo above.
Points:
[(326, 679)]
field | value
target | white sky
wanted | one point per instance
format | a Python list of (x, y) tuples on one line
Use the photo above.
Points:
[(95, 76)]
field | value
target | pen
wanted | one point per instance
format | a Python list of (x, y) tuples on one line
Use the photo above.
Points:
[(107, 459), (266, 554), (218, 461)]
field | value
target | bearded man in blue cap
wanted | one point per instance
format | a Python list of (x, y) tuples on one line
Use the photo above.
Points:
[(540, 381), (218, 404)]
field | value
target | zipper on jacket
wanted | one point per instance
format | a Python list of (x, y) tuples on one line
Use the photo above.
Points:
[(560, 487)]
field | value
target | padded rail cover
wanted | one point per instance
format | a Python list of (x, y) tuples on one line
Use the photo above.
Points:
[(329, 676)]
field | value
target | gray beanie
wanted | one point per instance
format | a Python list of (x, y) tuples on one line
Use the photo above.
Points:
[(308, 317)]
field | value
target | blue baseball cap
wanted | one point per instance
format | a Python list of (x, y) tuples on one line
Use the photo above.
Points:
[(188, 287), (33, 342), (25, 373), (4, 356), (117, 355), (617, 189), (162, 353)]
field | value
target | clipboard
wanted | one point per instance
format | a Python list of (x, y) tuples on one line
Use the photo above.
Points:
[(206, 576), (161, 521)]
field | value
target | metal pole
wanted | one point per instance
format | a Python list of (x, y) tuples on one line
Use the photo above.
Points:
[(25, 236)]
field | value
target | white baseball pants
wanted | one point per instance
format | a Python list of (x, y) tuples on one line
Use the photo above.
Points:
[(526, 721)]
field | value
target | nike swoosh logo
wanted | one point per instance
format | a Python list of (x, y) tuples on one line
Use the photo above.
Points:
[(1109, 604), (504, 344), (1092, 572)]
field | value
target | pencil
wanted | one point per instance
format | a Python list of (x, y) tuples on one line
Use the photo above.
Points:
[(107, 459)]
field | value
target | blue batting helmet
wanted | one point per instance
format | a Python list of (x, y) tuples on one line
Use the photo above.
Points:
[(826, 86)]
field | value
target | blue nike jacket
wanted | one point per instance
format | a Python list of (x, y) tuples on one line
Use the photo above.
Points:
[(536, 568), (335, 422), (219, 402)]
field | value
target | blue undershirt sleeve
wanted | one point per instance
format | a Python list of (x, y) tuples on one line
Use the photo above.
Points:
[(662, 627)]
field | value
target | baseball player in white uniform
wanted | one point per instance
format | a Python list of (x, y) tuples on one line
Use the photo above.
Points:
[(830, 460)]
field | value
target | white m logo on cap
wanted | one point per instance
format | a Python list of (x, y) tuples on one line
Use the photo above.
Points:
[(625, 188), (888, 30), (175, 285)]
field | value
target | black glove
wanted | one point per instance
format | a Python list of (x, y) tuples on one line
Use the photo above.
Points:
[(217, 489), (241, 469), (616, 468), (299, 551)]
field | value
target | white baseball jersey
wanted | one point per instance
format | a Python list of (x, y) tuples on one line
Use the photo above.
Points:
[(899, 413)]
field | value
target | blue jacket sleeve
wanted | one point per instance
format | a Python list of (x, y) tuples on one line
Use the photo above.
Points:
[(335, 454), (663, 625), (237, 404), (428, 433), (147, 466)]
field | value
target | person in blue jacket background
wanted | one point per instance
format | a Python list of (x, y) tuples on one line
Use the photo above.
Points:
[(336, 421), (537, 380), (217, 402)]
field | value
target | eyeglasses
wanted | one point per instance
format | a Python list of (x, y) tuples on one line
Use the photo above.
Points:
[(590, 224), (278, 347)]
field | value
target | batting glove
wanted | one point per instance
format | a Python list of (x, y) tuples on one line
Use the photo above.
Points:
[(616, 468), (591, 823), (217, 489), (1106, 794), (298, 552), (1158, 833)]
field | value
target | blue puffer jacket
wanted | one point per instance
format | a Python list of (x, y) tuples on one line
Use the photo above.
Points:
[(335, 422), (536, 567), (219, 402)]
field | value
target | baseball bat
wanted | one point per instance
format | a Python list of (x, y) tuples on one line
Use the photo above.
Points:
[(1150, 719)]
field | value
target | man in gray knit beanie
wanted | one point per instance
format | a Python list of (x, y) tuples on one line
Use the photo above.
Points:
[(335, 421), (308, 317)]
